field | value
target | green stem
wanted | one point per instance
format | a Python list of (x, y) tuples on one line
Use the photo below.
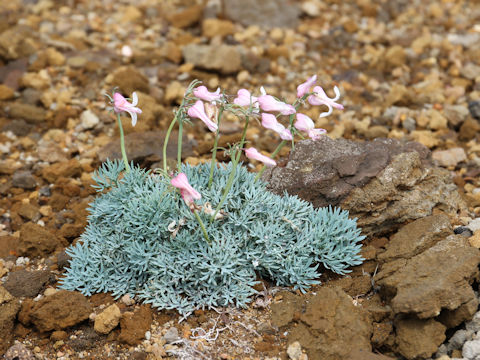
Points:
[(242, 141), (277, 150), (235, 160), (215, 144), (167, 136), (179, 145), (122, 144), (202, 226)]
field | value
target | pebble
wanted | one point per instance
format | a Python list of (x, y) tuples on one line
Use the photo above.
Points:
[(471, 349), (294, 350), (24, 179), (89, 120), (474, 108), (108, 319), (450, 157), (171, 335), (474, 226)]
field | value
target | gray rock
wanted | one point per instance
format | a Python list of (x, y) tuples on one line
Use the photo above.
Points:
[(474, 324), (382, 183), (456, 114), (265, 13), (471, 349), (226, 59), (459, 338), (27, 283), (474, 225), (18, 127), (171, 335), (474, 108), (24, 179)]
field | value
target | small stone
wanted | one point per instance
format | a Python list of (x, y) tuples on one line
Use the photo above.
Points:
[(294, 350), (30, 113), (470, 71), (131, 14), (474, 108), (474, 225), (450, 157), (24, 179), (311, 8), (54, 57), (108, 319), (216, 27), (5, 296), (456, 114), (89, 119), (171, 335), (25, 283), (223, 58), (186, 17), (463, 230), (471, 349), (459, 338), (265, 13), (56, 312), (174, 92), (127, 300), (474, 240), (36, 241), (395, 56), (77, 61), (19, 352), (6, 93)]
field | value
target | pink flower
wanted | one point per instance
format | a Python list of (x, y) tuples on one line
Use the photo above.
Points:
[(320, 98), (186, 190), (269, 121), (201, 92), (304, 123), (269, 103), (244, 98), (120, 104), (253, 153), (304, 88), (198, 111)]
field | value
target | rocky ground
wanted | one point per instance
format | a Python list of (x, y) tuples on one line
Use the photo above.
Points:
[(409, 74)]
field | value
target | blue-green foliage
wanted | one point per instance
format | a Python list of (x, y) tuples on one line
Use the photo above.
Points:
[(127, 247)]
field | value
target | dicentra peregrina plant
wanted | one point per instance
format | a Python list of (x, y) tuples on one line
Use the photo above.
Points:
[(209, 247)]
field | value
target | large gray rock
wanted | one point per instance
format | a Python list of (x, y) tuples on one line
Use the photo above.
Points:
[(382, 183), (265, 13)]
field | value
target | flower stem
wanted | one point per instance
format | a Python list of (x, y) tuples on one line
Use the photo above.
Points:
[(215, 144), (235, 160), (277, 150), (202, 226), (179, 145), (167, 136), (122, 144)]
